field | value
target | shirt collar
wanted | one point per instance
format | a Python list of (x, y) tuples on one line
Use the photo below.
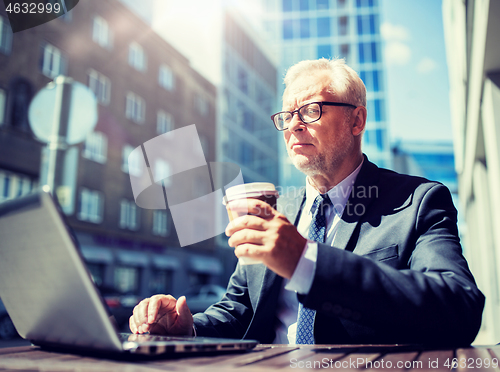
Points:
[(339, 194)]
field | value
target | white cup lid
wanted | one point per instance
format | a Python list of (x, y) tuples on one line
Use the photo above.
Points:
[(249, 190)]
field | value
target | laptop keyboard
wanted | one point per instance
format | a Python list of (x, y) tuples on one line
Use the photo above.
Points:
[(151, 338)]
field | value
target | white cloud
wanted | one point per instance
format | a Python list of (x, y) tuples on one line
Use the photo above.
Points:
[(392, 32), (426, 65), (397, 53)]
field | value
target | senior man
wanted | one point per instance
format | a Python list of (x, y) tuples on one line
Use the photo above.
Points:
[(361, 255)]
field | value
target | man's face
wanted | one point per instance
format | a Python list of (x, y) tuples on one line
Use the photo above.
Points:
[(321, 147)]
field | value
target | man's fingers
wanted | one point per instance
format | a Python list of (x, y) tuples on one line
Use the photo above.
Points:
[(245, 222), (140, 312), (160, 305)]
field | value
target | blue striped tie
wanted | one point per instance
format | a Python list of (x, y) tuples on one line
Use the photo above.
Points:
[(317, 232)]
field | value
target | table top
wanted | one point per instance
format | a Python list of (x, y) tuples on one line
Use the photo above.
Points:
[(269, 358)]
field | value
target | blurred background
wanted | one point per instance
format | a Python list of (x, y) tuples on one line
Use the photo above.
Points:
[(156, 65)]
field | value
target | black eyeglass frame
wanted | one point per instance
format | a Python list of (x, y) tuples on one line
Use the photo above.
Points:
[(320, 104)]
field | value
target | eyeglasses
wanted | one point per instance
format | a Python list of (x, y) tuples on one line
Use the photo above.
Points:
[(308, 113)]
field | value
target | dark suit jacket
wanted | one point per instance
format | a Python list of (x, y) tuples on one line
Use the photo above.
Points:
[(395, 273)]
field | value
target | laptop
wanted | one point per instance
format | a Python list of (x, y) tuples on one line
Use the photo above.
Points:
[(51, 297)]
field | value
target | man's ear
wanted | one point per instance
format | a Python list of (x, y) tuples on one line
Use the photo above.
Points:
[(359, 123)]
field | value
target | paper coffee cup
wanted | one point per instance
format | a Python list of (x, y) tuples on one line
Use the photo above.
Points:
[(264, 191)]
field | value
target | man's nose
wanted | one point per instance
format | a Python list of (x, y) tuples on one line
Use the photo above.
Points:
[(296, 124)]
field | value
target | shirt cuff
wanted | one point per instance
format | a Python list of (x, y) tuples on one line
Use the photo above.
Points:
[(303, 275)]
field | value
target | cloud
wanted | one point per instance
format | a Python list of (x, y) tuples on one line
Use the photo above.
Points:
[(392, 32), (426, 65), (397, 53)]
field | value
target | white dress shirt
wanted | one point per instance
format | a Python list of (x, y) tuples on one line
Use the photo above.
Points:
[(302, 278)]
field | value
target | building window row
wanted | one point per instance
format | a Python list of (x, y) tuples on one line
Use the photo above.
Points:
[(307, 5), (302, 28), (13, 185), (91, 210), (5, 36)]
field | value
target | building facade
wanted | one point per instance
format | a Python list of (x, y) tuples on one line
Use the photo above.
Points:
[(144, 88), (350, 29), (223, 45), (471, 34)]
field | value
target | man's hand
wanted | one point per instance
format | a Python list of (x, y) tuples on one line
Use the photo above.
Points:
[(162, 314), (265, 235)]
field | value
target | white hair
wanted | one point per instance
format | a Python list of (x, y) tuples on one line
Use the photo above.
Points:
[(345, 82)]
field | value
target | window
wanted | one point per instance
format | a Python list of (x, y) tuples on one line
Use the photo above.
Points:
[(135, 108), (5, 36), (288, 28), (368, 52), (201, 104), (160, 223), (367, 24), (166, 77), (344, 51), (131, 161), (323, 26), (305, 31), (341, 3), (128, 215), (126, 279), (13, 185), (3, 101), (242, 80), (136, 57), (304, 5), (96, 147), (343, 26), (287, 5), (53, 62), (379, 110), (325, 51), (160, 281), (321, 4), (164, 122), (90, 207), (101, 33), (100, 85)]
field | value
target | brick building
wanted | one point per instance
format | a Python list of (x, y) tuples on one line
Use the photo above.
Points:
[(144, 88)]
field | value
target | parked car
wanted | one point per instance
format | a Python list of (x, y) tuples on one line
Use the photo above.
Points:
[(200, 297), (7, 329), (120, 305)]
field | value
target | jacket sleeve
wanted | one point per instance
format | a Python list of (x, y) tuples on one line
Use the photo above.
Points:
[(231, 316), (428, 297)]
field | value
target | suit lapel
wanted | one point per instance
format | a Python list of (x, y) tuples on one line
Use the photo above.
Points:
[(357, 204)]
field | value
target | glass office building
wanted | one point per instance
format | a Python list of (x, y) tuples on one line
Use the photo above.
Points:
[(350, 29)]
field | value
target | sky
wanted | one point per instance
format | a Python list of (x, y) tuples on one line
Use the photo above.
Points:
[(417, 73)]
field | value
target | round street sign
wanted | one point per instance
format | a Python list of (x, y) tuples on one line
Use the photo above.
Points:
[(82, 111)]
